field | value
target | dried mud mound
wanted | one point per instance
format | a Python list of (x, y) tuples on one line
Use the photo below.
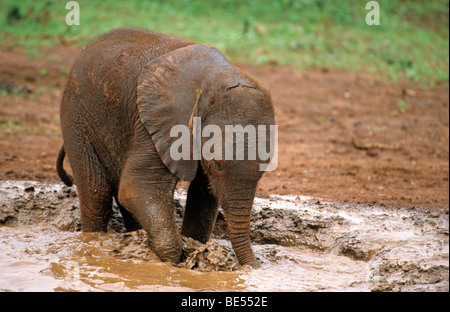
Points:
[(303, 244)]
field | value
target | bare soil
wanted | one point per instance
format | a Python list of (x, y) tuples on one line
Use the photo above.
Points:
[(342, 136)]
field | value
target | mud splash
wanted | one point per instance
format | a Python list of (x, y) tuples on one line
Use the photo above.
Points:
[(303, 244)]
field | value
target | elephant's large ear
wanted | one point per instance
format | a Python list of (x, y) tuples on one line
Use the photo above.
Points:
[(169, 93)]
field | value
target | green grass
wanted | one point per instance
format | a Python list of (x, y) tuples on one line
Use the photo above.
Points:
[(412, 40), (14, 127)]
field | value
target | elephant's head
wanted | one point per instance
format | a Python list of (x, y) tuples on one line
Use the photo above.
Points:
[(197, 84)]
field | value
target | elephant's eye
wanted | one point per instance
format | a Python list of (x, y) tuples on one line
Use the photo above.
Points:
[(217, 165)]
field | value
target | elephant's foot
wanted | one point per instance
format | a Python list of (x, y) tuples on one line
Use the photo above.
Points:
[(167, 246)]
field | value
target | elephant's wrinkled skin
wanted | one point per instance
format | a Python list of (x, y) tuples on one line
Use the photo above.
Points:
[(124, 93)]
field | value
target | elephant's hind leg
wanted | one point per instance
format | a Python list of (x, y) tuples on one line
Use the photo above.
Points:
[(95, 206), (94, 190)]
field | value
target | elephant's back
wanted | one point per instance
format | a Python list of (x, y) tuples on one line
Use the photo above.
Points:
[(110, 65), (136, 44)]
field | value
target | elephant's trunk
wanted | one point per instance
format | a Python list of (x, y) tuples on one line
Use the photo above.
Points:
[(238, 219)]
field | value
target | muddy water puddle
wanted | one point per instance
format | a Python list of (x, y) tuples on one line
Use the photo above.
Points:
[(303, 244), (38, 259)]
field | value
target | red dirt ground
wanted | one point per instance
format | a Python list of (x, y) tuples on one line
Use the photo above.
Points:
[(342, 136)]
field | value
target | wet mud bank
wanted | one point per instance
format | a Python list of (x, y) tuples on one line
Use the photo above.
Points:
[(303, 244)]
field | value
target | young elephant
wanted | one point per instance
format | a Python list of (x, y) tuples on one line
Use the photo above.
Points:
[(125, 93)]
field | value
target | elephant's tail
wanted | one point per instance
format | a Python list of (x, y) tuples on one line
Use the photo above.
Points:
[(63, 175)]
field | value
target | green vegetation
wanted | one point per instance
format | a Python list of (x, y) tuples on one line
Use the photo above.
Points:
[(14, 127), (402, 106), (412, 40)]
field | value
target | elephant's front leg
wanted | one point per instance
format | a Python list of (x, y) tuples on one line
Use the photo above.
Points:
[(201, 209), (146, 191), (152, 206)]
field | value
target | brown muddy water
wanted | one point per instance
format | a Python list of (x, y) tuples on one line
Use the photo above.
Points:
[(303, 244)]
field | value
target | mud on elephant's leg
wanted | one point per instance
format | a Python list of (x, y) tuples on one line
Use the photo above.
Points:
[(201, 209)]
